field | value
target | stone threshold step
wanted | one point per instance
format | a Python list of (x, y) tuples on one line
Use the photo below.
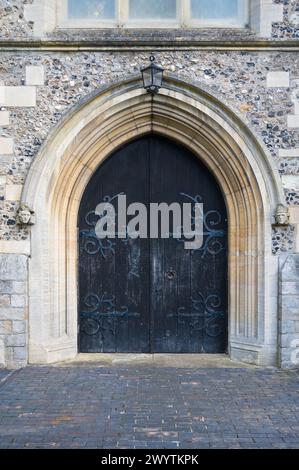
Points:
[(160, 360)]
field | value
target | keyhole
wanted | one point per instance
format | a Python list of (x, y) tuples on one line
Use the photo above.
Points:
[(171, 274)]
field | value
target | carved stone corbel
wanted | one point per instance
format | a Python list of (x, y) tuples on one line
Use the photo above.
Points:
[(25, 216), (281, 216)]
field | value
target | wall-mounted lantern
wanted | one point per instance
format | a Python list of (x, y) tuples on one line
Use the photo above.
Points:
[(152, 76)]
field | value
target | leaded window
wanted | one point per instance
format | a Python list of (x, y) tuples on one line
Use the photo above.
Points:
[(153, 13)]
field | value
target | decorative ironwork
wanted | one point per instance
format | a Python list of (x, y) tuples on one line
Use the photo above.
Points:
[(204, 315), (92, 245), (101, 313), (89, 241), (213, 245)]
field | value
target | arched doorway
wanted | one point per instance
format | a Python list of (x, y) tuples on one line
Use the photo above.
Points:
[(209, 129), (152, 295)]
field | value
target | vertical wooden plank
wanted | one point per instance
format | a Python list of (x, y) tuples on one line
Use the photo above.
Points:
[(115, 278), (185, 311)]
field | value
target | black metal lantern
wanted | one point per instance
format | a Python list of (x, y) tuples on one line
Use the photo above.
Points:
[(152, 76)]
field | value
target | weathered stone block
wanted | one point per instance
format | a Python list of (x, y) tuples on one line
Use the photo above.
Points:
[(288, 365), (289, 271), (287, 326), (10, 313), (289, 301), (16, 340), (4, 118), (4, 300), (289, 312), (291, 355), (5, 159), (289, 288), (42, 14), (20, 354), (13, 192), (294, 152), (2, 352), (278, 79), (285, 354), (268, 13), (296, 105), (12, 287), (5, 327), (294, 211), (17, 247), (19, 287), (5, 287), (6, 146), (294, 18), (247, 356), (13, 267), (293, 121), (288, 340), (18, 300), (35, 75), (19, 327), (18, 96), (290, 181)]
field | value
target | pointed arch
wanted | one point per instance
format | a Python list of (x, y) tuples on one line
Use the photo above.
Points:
[(97, 127)]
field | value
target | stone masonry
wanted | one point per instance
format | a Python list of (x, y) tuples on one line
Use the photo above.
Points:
[(13, 309), (288, 311)]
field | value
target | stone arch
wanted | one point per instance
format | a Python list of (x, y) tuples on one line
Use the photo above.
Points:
[(61, 171)]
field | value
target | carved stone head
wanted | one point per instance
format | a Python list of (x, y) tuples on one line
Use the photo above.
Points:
[(25, 216), (282, 216)]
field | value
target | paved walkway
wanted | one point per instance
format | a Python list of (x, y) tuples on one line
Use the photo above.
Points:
[(129, 405)]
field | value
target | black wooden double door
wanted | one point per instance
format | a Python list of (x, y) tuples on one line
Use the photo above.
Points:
[(153, 295)]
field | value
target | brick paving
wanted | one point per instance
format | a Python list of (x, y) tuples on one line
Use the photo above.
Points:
[(149, 407)]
